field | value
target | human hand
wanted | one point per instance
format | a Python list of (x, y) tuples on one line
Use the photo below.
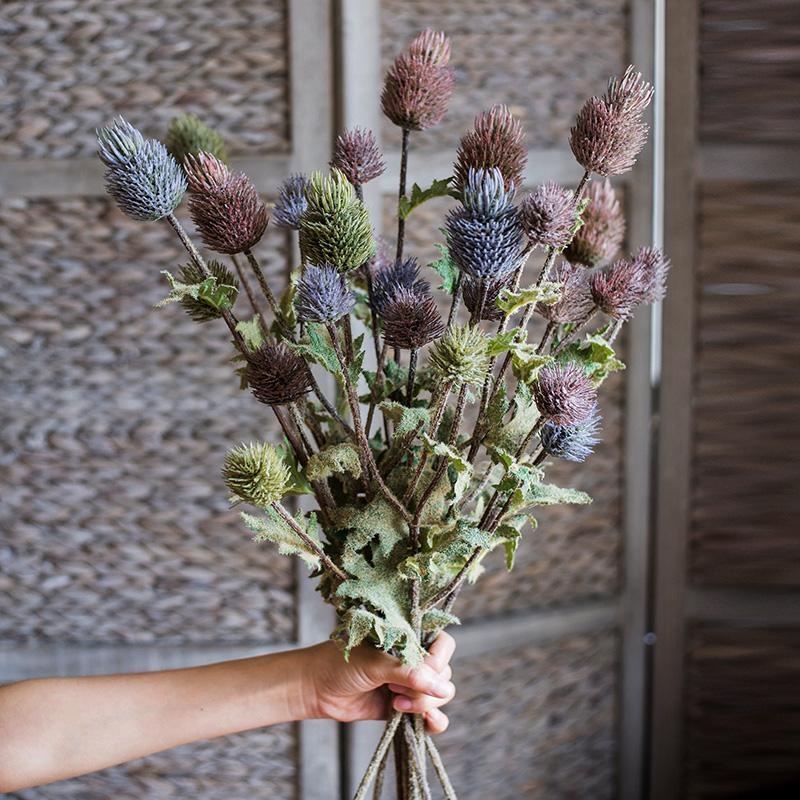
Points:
[(373, 682)]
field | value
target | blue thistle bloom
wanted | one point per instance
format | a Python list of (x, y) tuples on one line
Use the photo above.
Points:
[(572, 442), (142, 176), (322, 295), (485, 194), (400, 275), (291, 202)]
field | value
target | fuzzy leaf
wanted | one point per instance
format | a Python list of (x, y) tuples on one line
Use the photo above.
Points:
[(288, 320), (526, 362), (273, 529), (511, 533), (525, 484), (503, 342), (445, 553), (509, 435), (251, 332), (219, 296), (459, 469), (446, 268), (595, 355), (547, 293), (405, 419), (394, 378), (334, 459), (439, 188), (298, 483), (354, 368), (436, 619), (362, 524), (317, 347)]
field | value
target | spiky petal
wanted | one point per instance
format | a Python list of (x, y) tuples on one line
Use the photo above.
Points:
[(575, 301), (618, 289), (461, 355), (188, 135), (277, 375), (411, 320), (357, 155), (654, 266), (485, 194), (205, 172), (322, 295), (256, 474), (564, 394), (199, 310), (432, 47), (571, 442), (118, 143), (600, 237), (397, 275), (291, 202), (548, 216), (497, 140)]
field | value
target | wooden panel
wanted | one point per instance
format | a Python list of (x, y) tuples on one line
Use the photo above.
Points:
[(750, 71), (743, 714), (69, 65), (745, 502), (115, 419)]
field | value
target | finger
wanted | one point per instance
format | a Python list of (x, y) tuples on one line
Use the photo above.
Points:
[(418, 705), (436, 721), (447, 673), (422, 679), (441, 651)]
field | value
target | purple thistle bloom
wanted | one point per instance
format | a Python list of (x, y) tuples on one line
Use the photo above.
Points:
[(402, 275), (472, 296), (575, 301), (655, 268), (322, 295), (485, 193), (411, 320), (571, 442), (118, 143), (599, 238), (291, 202), (564, 394), (548, 216), (618, 289), (357, 155)]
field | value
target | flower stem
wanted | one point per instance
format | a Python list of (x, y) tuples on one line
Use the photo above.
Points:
[(377, 756), (573, 334), (412, 374), (250, 294), (262, 282), (401, 193)]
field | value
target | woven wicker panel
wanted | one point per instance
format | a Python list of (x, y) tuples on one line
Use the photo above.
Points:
[(239, 767), (745, 502), (70, 65), (114, 422), (543, 59), (743, 713), (750, 70), (536, 722)]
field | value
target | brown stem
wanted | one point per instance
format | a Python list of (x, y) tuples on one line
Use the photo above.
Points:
[(456, 301), (412, 374), (548, 332), (348, 338), (248, 289), (572, 335), (376, 386), (441, 773), (401, 192), (262, 282), (383, 746)]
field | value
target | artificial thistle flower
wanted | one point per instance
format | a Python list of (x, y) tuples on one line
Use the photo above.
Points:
[(571, 442), (600, 236), (335, 229), (548, 216), (609, 133), (461, 355), (187, 135), (256, 474), (618, 289), (473, 294), (198, 309), (654, 266), (485, 246), (322, 295), (496, 140), (141, 175), (564, 394), (291, 202), (205, 172), (357, 155), (397, 275), (277, 375), (418, 85), (485, 194), (575, 301), (411, 320)]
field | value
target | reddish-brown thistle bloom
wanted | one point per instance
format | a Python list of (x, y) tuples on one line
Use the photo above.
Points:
[(357, 155), (496, 140), (609, 133), (548, 216), (205, 172), (575, 299), (564, 394), (654, 267), (598, 240), (618, 289), (472, 295), (276, 375), (418, 85), (411, 320)]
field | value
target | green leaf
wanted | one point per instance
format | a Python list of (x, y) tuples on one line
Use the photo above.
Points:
[(394, 378), (439, 188), (595, 355), (273, 529), (509, 435), (526, 362), (298, 483), (316, 346), (334, 459), (459, 469), (288, 316), (503, 342), (546, 293), (360, 525), (436, 619), (354, 368), (251, 332), (405, 419), (525, 484), (219, 296), (511, 534), (446, 268)]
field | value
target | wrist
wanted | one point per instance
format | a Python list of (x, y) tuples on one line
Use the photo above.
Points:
[(303, 684)]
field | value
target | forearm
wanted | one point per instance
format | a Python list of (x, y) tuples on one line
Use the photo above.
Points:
[(56, 728)]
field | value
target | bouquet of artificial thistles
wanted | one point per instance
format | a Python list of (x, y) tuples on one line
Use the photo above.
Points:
[(409, 496)]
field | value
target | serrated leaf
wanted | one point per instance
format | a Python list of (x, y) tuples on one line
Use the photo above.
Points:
[(334, 459), (354, 367), (405, 419), (273, 529), (525, 484), (251, 332), (360, 525), (596, 355), (298, 483), (406, 204), (504, 341), (547, 293), (526, 362), (315, 346), (511, 534), (509, 435), (437, 619), (446, 268), (220, 296), (459, 468)]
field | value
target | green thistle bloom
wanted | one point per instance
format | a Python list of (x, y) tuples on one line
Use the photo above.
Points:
[(187, 135), (335, 229), (255, 473), (461, 355), (199, 310)]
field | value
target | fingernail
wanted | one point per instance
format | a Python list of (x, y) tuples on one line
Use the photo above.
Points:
[(402, 703)]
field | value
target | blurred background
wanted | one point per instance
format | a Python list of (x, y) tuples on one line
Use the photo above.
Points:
[(646, 646)]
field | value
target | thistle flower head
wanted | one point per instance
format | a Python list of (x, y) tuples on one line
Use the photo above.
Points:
[(411, 320), (142, 176), (654, 266), (199, 310), (608, 133), (461, 355), (548, 216), (599, 238), (291, 202), (322, 295), (397, 275), (205, 172), (571, 442), (335, 229), (485, 195), (495, 141), (575, 301), (357, 155), (256, 474), (564, 394), (232, 218), (187, 135), (618, 289), (418, 85), (277, 375), (473, 289)]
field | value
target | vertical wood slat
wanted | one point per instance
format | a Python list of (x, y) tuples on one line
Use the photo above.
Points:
[(673, 466)]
